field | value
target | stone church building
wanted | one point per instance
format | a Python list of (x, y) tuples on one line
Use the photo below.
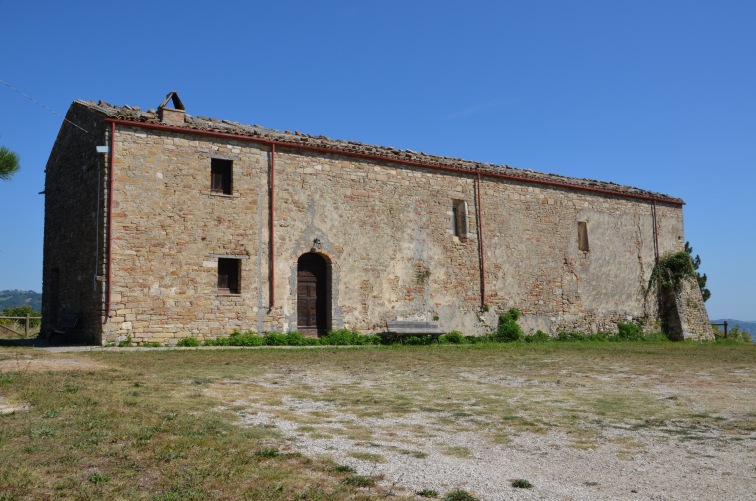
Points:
[(160, 225)]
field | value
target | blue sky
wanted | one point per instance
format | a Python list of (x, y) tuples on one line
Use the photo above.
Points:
[(655, 94)]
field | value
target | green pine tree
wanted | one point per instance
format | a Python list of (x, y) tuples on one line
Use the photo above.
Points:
[(701, 279), (9, 163)]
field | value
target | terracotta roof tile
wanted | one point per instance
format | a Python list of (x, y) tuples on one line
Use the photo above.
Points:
[(134, 114)]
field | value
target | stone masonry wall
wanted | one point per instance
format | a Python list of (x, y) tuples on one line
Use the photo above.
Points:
[(169, 229), (74, 231), (562, 287), (686, 316), (387, 232), (384, 228)]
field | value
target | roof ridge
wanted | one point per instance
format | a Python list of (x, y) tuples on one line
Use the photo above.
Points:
[(298, 139)]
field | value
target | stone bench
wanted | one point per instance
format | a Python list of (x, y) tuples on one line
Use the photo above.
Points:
[(401, 329)]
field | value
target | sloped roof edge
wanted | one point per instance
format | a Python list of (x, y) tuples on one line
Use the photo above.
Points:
[(305, 141)]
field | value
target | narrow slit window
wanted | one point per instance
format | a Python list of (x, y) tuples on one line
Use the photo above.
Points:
[(459, 218), (220, 176), (583, 236), (229, 275)]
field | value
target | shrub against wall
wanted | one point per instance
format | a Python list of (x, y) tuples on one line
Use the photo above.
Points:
[(629, 332), (671, 272), (508, 328), (681, 311)]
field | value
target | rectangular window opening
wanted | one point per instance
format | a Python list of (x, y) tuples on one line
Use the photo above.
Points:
[(459, 218), (583, 236), (229, 275), (220, 176)]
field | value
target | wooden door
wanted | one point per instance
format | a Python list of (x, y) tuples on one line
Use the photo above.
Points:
[(312, 295), (307, 302)]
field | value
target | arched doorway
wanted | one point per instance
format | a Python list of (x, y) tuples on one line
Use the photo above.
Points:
[(313, 295)]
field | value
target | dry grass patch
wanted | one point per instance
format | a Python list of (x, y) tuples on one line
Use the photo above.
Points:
[(24, 363), (457, 452), (368, 456), (143, 426), (189, 424)]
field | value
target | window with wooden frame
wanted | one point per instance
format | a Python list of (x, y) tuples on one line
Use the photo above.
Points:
[(459, 218), (583, 236), (221, 173), (229, 275)]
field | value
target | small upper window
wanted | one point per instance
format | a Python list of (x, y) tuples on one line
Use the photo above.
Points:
[(583, 236), (220, 176), (229, 275), (459, 218)]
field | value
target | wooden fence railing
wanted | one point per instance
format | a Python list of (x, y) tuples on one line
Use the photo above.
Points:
[(725, 327), (28, 320)]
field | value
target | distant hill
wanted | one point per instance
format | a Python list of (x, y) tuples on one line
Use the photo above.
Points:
[(749, 327), (14, 298)]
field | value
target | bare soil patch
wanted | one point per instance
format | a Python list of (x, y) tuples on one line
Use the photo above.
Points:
[(29, 363), (8, 407)]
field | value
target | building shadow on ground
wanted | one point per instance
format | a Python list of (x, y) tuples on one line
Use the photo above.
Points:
[(38, 342)]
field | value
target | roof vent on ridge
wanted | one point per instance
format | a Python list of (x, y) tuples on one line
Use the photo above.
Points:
[(172, 116)]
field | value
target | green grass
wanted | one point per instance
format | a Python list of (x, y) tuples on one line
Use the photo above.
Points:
[(458, 452), (521, 483), (359, 481), (99, 435), (167, 424), (459, 495), (369, 456), (427, 493)]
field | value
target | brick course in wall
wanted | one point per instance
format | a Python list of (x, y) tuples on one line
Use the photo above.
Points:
[(383, 226)]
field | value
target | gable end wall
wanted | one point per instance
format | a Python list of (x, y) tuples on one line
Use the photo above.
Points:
[(74, 237)]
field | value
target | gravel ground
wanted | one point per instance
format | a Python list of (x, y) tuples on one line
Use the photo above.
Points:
[(656, 464), (418, 452)]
